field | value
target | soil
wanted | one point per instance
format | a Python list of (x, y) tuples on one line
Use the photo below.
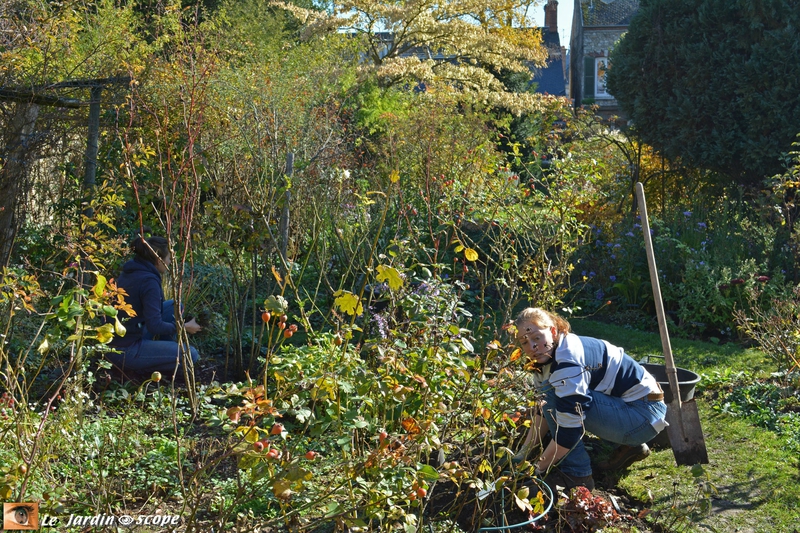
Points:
[(574, 511)]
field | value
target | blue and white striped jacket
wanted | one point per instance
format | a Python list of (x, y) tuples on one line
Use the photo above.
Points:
[(583, 364)]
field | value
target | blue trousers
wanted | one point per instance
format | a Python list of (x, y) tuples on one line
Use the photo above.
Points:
[(148, 355), (609, 418)]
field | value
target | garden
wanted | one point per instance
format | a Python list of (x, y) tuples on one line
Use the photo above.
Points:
[(355, 230)]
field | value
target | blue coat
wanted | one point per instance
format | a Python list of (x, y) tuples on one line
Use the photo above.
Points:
[(142, 281)]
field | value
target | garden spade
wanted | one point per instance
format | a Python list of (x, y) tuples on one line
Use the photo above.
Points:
[(684, 430)]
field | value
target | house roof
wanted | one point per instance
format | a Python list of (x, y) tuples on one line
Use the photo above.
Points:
[(550, 78), (608, 12)]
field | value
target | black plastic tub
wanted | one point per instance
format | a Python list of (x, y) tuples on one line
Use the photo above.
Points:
[(687, 380)]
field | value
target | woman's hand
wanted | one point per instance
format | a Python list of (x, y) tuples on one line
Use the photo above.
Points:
[(192, 326)]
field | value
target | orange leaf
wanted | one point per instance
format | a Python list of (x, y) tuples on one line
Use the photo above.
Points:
[(411, 425), (516, 354)]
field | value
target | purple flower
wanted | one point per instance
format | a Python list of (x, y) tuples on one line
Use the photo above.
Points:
[(613, 256), (591, 274), (701, 225), (636, 225), (617, 245), (687, 213), (383, 326), (612, 278), (630, 234)]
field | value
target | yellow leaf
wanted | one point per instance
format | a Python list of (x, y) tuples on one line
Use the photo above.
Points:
[(394, 177), (250, 434), (495, 345), (516, 354), (42, 349), (100, 286), (348, 302), (471, 254), (282, 489), (105, 333), (391, 276), (459, 248), (119, 329), (277, 275)]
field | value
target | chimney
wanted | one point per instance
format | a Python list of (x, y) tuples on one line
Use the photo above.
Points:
[(551, 16)]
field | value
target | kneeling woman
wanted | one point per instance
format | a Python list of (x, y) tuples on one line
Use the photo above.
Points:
[(587, 384), (155, 318)]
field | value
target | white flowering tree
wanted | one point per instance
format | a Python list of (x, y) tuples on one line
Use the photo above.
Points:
[(457, 45)]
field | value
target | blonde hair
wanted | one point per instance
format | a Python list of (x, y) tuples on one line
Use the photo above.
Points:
[(543, 319)]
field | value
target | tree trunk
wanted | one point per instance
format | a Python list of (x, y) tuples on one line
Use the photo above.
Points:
[(13, 174), (284, 224)]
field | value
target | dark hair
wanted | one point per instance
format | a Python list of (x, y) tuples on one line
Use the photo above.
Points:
[(144, 248)]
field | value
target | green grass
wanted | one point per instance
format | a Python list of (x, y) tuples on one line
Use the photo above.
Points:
[(754, 474)]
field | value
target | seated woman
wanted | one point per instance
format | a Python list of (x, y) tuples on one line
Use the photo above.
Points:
[(587, 385), (139, 351)]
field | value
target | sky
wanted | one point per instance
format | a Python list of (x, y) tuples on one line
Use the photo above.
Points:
[(564, 19)]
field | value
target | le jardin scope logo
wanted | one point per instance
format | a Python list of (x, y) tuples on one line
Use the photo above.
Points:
[(25, 516)]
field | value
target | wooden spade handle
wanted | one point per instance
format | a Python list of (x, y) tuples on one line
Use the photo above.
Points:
[(672, 372)]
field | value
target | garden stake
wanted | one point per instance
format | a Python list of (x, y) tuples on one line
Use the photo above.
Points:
[(684, 430)]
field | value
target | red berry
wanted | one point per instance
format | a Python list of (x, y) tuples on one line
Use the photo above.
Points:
[(287, 333), (311, 455), (421, 493), (277, 429), (293, 327), (281, 325), (266, 316), (283, 318), (258, 446), (337, 340), (273, 453), (382, 436)]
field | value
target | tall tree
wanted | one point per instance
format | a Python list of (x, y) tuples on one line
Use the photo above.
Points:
[(713, 82), (456, 44)]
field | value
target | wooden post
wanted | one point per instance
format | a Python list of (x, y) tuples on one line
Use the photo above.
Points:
[(90, 158)]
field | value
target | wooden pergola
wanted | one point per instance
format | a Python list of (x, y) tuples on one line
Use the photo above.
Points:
[(29, 100)]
